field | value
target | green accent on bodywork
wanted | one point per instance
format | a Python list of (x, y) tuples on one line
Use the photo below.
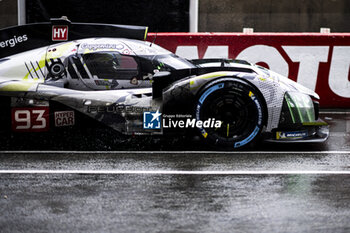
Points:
[(311, 117), (289, 103), (26, 77), (161, 64), (61, 50), (20, 86), (41, 65), (212, 75), (300, 115), (146, 31), (300, 107), (206, 76), (316, 123), (228, 130), (107, 87)]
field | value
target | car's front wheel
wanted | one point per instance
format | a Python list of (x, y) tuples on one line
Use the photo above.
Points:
[(237, 110)]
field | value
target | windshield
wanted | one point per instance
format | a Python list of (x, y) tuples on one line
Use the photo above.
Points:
[(171, 61), (108, 65)]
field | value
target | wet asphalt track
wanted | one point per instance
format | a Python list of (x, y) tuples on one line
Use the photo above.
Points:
[(283, 188)]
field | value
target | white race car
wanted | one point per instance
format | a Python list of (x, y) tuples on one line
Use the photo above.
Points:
[(61, 72)]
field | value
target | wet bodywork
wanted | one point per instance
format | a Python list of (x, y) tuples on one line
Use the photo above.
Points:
[(114, 81)]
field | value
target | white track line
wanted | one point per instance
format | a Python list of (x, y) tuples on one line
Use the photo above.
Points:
[(335, 113), (170, 172), (174, 152)]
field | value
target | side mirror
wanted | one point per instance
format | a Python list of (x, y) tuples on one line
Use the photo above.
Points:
[(159, 74)]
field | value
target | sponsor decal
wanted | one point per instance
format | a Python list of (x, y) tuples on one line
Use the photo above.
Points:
[(59, 33), (102, 82), (95, 47), (117, 109), (24, 102), (126, 52), (64, 118), (151, 120), (191, 123), (13, 41), (30, 119), (107, 83), (291, 135)]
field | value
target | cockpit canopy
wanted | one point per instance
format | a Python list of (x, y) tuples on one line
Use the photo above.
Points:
[(111, 65), (104, 64)]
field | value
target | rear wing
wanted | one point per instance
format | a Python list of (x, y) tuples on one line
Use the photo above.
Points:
[(22, 38)]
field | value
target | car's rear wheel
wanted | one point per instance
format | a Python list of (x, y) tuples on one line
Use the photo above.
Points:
[(238, 106)]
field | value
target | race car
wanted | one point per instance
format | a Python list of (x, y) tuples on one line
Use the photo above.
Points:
[(67, 75)]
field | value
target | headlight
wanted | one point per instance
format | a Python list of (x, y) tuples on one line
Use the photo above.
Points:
[(297, 108)]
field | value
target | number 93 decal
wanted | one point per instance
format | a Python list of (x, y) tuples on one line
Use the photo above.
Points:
[(30, 119)]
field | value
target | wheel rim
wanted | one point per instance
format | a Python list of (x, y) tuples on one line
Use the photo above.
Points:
[(238, 109), (234, 111)]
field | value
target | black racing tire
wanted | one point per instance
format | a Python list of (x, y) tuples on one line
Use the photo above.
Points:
[(239, 107)]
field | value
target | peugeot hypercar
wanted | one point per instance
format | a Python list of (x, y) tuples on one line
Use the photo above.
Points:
[(52, 75)]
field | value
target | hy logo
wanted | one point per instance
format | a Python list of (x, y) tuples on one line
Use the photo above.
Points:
[(59, 33), (151, 120)]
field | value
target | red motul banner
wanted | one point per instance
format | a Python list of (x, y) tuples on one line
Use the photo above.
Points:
[(318, 61)]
